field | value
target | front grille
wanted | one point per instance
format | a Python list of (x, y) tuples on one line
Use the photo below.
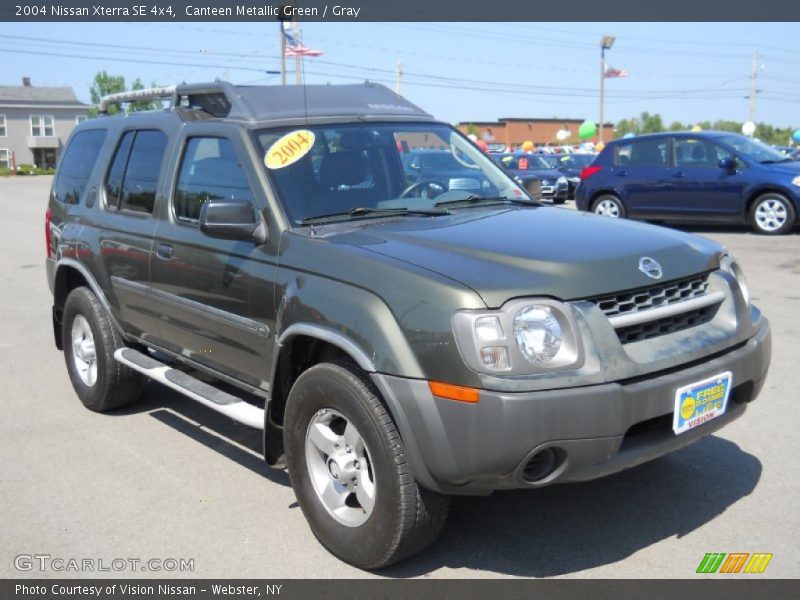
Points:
[(652, 297), (651, 329)]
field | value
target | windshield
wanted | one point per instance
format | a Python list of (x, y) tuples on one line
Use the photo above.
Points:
[(573, 161), (333, 169), (524, 162), (753, 149)]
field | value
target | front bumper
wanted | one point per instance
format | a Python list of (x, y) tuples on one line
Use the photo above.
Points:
[(555, 192), (459, 448)]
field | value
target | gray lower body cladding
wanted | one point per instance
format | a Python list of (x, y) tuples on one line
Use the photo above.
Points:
[(460, 448)]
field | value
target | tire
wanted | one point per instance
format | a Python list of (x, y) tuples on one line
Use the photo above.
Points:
[(339, 401), (609, 205), (772, 214), (89, 344), (559, 200)]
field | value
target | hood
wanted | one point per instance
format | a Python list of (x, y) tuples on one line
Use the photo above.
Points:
[(789, 168), (535, 251)]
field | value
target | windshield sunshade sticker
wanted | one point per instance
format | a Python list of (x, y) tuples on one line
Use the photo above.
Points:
[(289, 149)]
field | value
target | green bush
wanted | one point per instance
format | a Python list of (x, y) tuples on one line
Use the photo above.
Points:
[(25, 169), (5, 171)]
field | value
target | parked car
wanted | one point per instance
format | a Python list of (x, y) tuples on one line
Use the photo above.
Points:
[(712, 177), (260, 251), (570, 165), (524, 166), (795, 155)]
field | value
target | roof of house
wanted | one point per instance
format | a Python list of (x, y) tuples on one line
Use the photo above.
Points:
[(34, 95)]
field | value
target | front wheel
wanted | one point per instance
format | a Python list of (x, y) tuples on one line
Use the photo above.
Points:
[(350, 472), (772, 214), (609, 205)]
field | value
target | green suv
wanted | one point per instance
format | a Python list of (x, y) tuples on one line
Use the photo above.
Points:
[(262, 251)]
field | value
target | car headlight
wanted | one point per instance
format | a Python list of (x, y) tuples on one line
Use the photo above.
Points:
[(729, 264), (524, 337), (796, 181), (562, 181)]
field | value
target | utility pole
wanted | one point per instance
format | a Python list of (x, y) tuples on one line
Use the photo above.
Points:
[(399, 75), (753, 89), (605, 44)]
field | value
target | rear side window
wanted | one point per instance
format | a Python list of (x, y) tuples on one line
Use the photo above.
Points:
[(642, 153), (77, 165), (695, 152), (209, 171), (132, 180)]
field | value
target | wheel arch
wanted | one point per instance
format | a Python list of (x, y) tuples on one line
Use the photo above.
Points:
[(767, 189)]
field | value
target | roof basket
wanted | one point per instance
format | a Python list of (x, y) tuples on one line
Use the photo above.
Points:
[(146, 95), (211, 98)]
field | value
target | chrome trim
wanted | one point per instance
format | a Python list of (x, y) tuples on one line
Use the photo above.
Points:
[(669, 310), (330, 336)]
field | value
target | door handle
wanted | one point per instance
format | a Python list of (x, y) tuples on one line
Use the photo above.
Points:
[(620, 173), (679, 175), (164, 251)]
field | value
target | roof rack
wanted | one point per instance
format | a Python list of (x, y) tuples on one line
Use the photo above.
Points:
[(146, 95)]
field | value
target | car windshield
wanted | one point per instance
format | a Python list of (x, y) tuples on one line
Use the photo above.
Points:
[(753, 149), (524, 162), (365, 170), (573, 161)]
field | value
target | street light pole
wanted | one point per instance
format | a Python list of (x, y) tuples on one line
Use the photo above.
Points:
[(605, 44)]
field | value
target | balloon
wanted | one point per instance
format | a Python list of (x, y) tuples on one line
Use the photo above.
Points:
[(749, 128), (563, 134), (628, 135), (587, 129), (598, 147), (796, 136), (696, 128), (527, 146), (473, 137), (482, 145)]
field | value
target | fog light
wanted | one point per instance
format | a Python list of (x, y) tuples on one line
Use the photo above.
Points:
[(496, 357)]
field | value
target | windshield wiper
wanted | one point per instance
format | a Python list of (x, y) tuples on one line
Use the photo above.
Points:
[(474, 200), (364, 211), (773, 162)]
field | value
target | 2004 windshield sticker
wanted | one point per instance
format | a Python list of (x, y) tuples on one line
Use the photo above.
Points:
[(289, 148)]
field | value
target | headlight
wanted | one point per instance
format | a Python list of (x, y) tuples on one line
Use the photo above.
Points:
[(796, 181), (538, 334), (524, 337), (729, 264), (562, 181)]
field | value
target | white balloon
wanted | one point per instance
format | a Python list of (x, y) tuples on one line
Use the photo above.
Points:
[(749, 128), (563, 134), (473, 137)]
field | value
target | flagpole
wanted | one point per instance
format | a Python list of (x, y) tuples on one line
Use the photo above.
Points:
[(602, 88), (283, 54)]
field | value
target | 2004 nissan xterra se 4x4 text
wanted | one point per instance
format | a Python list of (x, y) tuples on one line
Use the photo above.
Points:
[(398, 339)]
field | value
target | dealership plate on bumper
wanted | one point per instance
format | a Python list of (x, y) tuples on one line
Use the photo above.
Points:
[(699, 402)]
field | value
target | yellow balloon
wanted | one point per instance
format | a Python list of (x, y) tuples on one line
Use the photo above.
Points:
[(697, 128), (527, 145), (598, 147)]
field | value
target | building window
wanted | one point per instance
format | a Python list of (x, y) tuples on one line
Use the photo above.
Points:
[(42, 126), (4, 157), (2, 126), (80, 119)]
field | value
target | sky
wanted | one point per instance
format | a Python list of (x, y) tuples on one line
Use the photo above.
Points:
[(686, 72)]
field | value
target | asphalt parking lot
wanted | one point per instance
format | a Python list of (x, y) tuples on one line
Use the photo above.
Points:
[(167, 478)]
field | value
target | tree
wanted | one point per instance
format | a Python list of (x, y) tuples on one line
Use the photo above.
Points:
[(103, 85), (140, 106)]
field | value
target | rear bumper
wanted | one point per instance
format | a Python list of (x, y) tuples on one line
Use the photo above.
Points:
[(460, 448)]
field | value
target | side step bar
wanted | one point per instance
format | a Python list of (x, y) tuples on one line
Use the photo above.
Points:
[(222, 402)]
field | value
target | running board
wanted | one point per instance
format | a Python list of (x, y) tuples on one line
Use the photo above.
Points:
[(222, 402)]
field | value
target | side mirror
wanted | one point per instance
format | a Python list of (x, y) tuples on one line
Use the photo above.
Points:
[(727, 164), (231, 221)]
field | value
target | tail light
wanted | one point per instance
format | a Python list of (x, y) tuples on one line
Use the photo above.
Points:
[(589, 171), (47, 234)]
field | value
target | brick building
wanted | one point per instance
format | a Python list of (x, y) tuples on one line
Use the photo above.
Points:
[(514, 131)]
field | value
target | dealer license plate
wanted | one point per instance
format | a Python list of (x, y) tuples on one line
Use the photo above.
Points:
[(699, 402)]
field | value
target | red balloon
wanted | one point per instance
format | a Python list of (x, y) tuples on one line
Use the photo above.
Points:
[(482, 145)]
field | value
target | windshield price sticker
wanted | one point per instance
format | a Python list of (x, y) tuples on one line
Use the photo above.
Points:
[(289, 149)]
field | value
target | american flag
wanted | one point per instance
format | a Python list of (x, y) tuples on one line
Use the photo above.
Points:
[(611, 72), (294, 47)]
